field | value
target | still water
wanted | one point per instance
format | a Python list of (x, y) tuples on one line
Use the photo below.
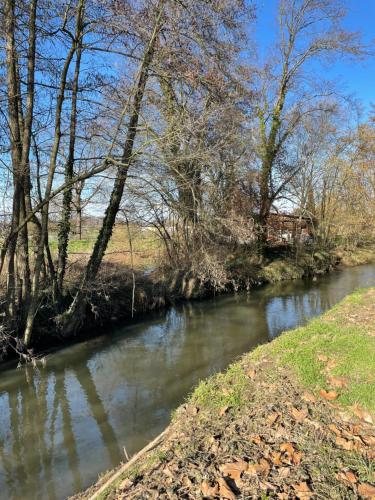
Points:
[(63, 424)]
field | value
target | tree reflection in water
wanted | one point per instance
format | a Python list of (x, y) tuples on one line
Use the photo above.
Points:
[(63, 424)]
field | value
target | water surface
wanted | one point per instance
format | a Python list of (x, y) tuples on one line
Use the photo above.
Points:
[(62, 425)]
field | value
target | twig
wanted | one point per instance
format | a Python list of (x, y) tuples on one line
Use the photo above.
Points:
[(131, 260), (123, 469)]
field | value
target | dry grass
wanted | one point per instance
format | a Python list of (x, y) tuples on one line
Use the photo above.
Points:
[(147, 248)]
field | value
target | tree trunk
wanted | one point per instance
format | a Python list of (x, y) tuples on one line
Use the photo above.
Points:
[(16, 152), (73, 318), (64, 225), (34, 300)]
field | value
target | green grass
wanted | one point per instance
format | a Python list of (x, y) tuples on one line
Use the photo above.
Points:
[(350, 345), (222, 390)]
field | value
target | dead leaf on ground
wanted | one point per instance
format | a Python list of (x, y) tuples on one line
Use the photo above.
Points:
[(276, 458), (282, 495), (271, 419), (347, 477), (344, 443), (331, 364), (263, 467), (369, 440), (287, 448), (297, 457), (234, 469), (186, 481), (334, 429), (303, 490), (299, 415), (322, 357), (168, 472), (208, 490), (307, 396), (191, 410), (345, 416), (224, 490), (224, 410), (256, 439), (251, 373), (284, 472), (126, 484), (265, 485), (366, 490), (328, 395), (338, 382), (355, 429), (363, 415), (316, 425)]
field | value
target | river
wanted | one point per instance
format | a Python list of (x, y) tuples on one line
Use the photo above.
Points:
[(64, 423)]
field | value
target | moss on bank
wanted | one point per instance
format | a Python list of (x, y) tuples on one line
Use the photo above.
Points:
[(292, 419)]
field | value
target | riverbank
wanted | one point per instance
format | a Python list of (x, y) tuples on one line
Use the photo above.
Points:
[(121, 295), (292, 419)]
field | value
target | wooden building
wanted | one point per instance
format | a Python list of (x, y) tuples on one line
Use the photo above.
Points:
[(287, 228)]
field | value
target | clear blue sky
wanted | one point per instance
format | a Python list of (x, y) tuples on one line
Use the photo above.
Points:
[(358, 77)]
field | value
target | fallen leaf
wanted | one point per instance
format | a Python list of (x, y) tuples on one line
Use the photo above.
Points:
[(322, 357), (187, 482), (263, 467), (234, 469), (284, 472), (366, 490), (355, 429), (307, 396), (271, 419), (265, 485), (167, 471), (369, 440), (297, 457), (256, 439), (191, 410), (287, 448), (344, 443), (302, 490), (302, 487), (350, 435), (331, 364), (363, 415), (251, 373), (345, 416), (299, 415), (126, 484), (208, 490), (329, 395), (276, 458), (347, 477), (316, 425), (224, 410), (337, 382), (282, 495), (334, 429), (225, 491)]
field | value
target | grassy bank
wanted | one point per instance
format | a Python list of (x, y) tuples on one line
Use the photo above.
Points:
[(293, 419)]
